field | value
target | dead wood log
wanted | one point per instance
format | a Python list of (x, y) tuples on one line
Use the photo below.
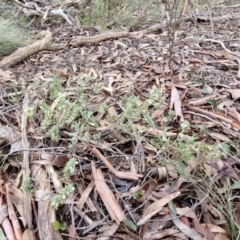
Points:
[(23, 53)]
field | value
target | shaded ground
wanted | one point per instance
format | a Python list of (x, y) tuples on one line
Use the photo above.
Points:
[(113, 101)]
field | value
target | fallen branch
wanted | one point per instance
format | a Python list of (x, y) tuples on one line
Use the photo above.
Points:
[(23, 53), (216, 115), (46, 44)]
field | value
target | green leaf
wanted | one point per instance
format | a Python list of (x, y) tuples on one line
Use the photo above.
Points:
[(203, 90), (180, 166), (203, 81), (138, 194), (213, 103), (2, 236), (150, 121), (171, 207), (56, 225), (130, 224), (190, 72), (236, 185)]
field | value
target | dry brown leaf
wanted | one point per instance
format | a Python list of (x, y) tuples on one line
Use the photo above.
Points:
[(172, 171), (201, 101), (7, 75), (176, 103), (74, 67), (161, 234), (221, 237), (112, 113), (214, 228), (191, 233), (156, 207), (238, 74), (54, 177), (7, 227), (29, 234), (235, 93), (72, 232), (109, 231), (13, 216), (107, 196), (219, 136), (17, 199), (232, 111), (198, 227), (53, 159), (162, 172), (147, 188), (216, 115), (84, 195), (11, 136)]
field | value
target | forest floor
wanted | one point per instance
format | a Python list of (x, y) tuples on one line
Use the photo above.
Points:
[(122, 143)]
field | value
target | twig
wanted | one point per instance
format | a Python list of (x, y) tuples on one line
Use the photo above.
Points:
[(234, 134), (223, 46), (119, 174), (26, 165)]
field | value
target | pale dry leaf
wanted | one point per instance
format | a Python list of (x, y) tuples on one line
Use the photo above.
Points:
[(107, 196), (13, 137), (161, 234), (232, 111), (235, 93), (112, 113), (53, 159), (209, 89), (221, 237), (109, 231), (176, 103), (201, 101), (133, 167), (214, 228), (162, 172), (12, 215), (7, 75), (8, 229), (85, 195), (29, 234), (74, 66), (209, 169), (119, 43), (3, 212), (191, 233), (156, 207), (219, 136), (54, 176), (238, 60), (81, 189), (172, 171), (198, 227), (72, 232), (17, 199)]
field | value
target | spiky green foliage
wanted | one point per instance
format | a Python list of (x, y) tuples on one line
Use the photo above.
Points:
[(62, 195), (11, 38)]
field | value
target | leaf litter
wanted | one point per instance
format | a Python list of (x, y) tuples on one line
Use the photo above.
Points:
[(156, 146)]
